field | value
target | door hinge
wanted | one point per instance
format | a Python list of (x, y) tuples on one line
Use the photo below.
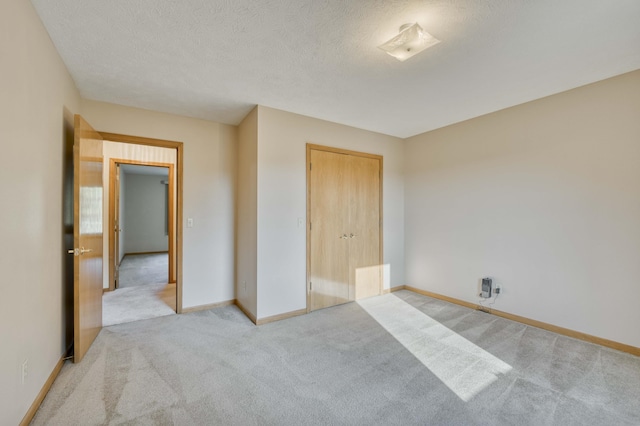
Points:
[(310, 226), (310, 166), (310, 286)]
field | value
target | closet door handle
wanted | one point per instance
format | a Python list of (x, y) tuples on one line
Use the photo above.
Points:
[(344, 237), (352, 235)]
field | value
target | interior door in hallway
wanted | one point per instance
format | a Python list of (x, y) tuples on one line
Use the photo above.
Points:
[(344, 243), (87, 236)]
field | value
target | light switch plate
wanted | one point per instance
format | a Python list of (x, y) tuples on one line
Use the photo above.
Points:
[(190, 222)]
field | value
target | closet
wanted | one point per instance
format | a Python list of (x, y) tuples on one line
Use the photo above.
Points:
[(344, 244)]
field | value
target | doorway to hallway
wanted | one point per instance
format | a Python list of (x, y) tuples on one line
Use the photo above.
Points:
[(132, 161), (143, 291), (141, 216)]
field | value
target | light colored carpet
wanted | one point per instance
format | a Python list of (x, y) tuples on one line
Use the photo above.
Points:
[(463, 367), (137, 303), (143, 291), (143, 269), (335, 366)]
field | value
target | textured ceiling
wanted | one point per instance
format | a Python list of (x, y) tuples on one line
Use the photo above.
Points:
[(216, 59)]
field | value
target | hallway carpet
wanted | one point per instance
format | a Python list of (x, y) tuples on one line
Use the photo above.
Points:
[(143, 269), (143, 291), (339, 366)]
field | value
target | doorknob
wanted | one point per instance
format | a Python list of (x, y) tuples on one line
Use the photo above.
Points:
[(352, 235), (79, 251), (344, 236)]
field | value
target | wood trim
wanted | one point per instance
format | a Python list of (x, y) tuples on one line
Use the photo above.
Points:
[(280, 317), (311, 146), (392, 289), (381, 219), (114, 162), (534, 323), (178, 230), (115, 202), (199, 308), (380, 158), (246, 312), (173, 243), (179, 147), (112, 218), (570, 333), (140, 253), (31, 412), (308, 256), (253, 319), (139, 140), (93, 159), (441, 297)]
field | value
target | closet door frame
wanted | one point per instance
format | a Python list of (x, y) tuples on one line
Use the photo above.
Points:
[(311, 147)]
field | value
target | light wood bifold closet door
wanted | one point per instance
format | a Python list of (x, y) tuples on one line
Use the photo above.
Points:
[(364, 224), (344, 226)]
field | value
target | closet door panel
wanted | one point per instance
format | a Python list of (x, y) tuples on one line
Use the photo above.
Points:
[(364, 227), (329, 242)]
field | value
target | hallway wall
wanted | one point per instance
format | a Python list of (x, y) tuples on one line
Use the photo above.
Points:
[(145, 214), (209, 192)]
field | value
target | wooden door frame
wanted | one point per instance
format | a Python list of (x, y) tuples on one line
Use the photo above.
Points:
[(179, 147), (114, 200), (310, 147), (113, 205)]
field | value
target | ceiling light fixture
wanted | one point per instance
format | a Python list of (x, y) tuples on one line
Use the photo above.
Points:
[(411, 41)]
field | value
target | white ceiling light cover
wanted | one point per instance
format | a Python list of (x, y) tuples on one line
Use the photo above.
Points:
[(411, 41)]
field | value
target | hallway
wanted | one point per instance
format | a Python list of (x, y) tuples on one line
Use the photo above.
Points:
[(143, 291)]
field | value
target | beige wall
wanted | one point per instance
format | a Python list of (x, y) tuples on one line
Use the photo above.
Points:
[(37, 102), (247, 208), (282, 194), (209, 192), (543, 197), (146, 214)]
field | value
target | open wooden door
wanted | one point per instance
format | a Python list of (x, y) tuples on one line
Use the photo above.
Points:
[(87, 237)]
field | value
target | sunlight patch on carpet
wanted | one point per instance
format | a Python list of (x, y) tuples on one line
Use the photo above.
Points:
[(463, 367)]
